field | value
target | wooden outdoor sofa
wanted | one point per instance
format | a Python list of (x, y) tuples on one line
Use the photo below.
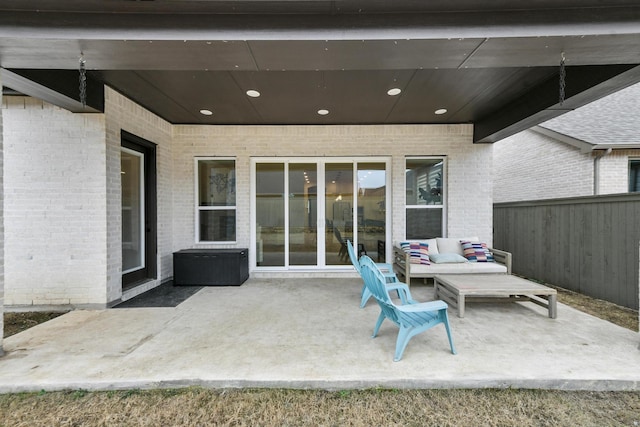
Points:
[(441, 261)]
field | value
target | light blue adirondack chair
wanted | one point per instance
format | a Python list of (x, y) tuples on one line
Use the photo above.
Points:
[(412, 319), (387, 270)]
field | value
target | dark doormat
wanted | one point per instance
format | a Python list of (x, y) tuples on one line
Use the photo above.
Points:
[(165, 295)]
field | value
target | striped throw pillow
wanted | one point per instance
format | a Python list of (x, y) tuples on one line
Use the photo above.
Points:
[(418, 252), (476, 252)]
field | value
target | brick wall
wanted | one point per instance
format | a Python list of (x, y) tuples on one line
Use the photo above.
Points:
[(469, 208), (614, 171), (531, 166), (123, 114), (55, 205), (64, 206)]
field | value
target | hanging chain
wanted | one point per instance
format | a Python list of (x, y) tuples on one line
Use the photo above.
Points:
[(83, 81), (562, 81)]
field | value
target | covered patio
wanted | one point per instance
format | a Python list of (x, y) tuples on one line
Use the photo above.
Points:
[(310, 333), (91, 87)]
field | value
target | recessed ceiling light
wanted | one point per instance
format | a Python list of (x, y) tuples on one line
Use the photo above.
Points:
[(253, 93), (440, 111), (206, 112), (393, 92), (323, 112)]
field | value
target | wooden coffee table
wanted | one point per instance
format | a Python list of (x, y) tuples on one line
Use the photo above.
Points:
[(455, 288)]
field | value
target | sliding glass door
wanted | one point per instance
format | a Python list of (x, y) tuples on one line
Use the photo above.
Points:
[(305, 211)]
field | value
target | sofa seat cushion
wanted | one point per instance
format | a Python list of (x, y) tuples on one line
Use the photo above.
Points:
[(461, 268)]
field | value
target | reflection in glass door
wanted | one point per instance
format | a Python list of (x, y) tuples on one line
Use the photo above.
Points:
[(303, 215), (338, 181), (270, 210), (371, 196), (326, 204), (132, 163)]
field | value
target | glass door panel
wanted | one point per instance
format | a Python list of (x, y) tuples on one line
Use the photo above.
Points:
[(371, 198), (270, 214), (306, 210), (132, 210), (338, 212), (303, 215)]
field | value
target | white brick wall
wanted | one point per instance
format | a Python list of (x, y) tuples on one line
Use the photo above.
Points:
[(531, 166), (469, 167), (55, 205), (64, 207), (614, 171), (123, 114)]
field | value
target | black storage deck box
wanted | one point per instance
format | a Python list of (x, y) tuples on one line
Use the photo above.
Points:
[(211, 267)]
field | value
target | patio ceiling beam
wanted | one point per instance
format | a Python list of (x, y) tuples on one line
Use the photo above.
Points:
[(438, 24), (57, 87), (584, 84)]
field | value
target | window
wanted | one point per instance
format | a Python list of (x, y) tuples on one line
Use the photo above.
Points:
[(216, 200), (424, 198), (634, 176)]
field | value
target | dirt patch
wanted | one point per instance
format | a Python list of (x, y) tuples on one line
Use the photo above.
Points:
[(18, 322), (621, 316)]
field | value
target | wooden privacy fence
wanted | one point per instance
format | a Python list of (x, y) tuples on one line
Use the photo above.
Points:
[(585, 244)]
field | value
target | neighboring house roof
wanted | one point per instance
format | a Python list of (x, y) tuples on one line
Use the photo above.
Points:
[(610, 122)]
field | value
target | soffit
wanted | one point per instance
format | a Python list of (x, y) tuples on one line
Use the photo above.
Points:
[(487, 62)]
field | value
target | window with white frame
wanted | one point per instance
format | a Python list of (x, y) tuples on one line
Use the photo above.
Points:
[(216, 200), (424, 197), (634, 175)]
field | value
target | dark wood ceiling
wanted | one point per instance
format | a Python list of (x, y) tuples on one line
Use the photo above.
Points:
[(352, 97), (491, 63)]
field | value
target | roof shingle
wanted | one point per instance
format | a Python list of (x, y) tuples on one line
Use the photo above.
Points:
[(614, 119)]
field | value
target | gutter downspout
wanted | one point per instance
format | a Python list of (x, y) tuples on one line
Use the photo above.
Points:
[(596, 168)]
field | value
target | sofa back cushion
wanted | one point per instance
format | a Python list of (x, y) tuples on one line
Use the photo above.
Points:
[(450, 245), (433, 246)]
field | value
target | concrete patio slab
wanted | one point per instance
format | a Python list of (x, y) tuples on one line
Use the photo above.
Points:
[(310, 333)]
